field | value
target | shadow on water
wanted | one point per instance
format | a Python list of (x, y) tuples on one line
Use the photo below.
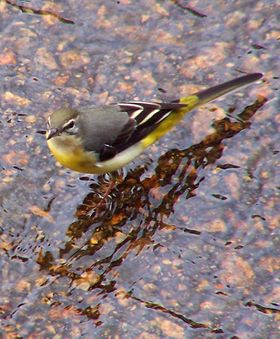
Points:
[(137, 208)]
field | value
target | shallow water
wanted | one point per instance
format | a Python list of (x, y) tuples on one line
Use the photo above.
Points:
[(187, 243)]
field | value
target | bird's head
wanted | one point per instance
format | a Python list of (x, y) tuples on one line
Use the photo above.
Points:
[(63, 122)]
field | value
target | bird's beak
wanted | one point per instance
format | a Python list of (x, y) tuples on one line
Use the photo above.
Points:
[(52, 133)]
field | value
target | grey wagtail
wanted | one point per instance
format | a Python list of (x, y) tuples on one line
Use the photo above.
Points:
[(105, 138)]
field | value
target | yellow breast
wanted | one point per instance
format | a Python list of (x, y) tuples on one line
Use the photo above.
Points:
[(70, 153)]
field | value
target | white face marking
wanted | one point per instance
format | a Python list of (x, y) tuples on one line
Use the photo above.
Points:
[(69, 124), (70, 127)]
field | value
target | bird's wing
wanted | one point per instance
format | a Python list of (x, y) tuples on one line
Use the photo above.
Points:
[(149, 113), (144, 117)]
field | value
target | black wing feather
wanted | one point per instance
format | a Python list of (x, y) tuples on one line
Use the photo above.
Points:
[(149, 112), (144, 117)]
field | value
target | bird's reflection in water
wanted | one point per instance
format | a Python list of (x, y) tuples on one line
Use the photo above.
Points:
[(137, 207)]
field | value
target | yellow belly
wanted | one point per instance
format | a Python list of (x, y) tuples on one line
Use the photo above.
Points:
[(72, 156), (75, 158)]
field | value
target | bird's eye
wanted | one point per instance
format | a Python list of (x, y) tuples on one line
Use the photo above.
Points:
[(69, 125)]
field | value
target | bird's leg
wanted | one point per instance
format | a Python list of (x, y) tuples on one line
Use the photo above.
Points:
[(113, 178)]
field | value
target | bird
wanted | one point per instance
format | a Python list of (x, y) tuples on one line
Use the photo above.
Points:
[(104, 139)]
